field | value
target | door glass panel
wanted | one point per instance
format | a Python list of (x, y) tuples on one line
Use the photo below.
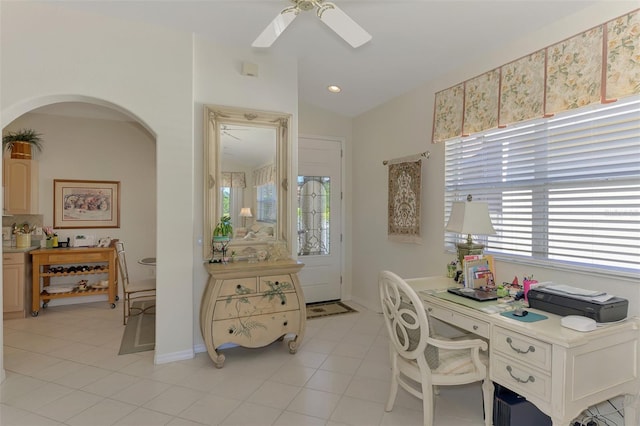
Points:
[(313, 215)]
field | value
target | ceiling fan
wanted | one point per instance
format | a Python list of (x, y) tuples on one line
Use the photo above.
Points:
[(328, 13)]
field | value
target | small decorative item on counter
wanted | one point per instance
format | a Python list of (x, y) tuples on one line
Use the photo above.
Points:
[(452, 267), (501, 291), (49, 234)]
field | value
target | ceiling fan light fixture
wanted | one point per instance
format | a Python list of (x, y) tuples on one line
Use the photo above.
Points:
[(334, 89)]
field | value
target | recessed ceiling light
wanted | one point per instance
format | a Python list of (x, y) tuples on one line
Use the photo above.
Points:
[(334, 89)]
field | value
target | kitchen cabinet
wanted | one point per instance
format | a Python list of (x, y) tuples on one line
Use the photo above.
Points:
[(252, 305), (16, 291), (71, 264), (20, 181)]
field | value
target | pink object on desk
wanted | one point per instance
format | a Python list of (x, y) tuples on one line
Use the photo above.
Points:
[(527, 285)]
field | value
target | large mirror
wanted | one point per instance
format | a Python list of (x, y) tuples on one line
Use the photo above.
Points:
[(245, 169)]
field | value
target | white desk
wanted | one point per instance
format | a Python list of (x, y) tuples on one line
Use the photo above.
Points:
[(561, 371)]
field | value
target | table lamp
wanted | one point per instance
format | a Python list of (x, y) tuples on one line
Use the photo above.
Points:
[(245, 212), (470, 217)]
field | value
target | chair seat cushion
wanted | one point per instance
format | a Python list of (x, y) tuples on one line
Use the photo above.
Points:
[(142, 285), (457, 362)]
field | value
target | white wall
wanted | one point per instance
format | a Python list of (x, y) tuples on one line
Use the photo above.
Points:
[(143, 70), (95, 149), (403, 127)]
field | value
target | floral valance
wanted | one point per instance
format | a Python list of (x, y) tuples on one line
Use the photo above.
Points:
[(264, 175), (598, 65), (233, 180)]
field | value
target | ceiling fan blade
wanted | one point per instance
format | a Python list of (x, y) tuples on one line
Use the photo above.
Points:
[(276, 27), (343, 25)]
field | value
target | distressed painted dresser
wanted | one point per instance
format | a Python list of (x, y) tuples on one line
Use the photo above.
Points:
[(252, 305)]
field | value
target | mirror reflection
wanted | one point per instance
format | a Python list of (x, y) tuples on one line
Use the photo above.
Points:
[(248, 180), (245, 177)]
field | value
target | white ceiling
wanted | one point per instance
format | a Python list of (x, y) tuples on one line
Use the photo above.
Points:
[(414, 41)]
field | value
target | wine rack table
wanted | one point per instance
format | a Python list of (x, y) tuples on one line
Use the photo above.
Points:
[(44, 259)]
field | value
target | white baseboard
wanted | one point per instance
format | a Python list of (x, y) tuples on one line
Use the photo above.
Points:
[(174, 356)]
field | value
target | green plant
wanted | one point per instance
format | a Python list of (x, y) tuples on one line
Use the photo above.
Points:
[(29, 136), (223, 227)]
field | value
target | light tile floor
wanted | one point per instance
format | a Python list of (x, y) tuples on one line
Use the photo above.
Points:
[(63, 368)]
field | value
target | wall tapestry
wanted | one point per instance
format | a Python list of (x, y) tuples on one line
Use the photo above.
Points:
[(405, 180)]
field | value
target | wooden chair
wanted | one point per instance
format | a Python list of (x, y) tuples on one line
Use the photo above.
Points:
[(133, 289), (419, 361)]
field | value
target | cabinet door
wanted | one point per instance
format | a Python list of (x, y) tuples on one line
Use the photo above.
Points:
[(13, 288), (20, 186)]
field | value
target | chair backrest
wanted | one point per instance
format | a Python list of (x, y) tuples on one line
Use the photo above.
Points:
[(404, 315), (122, 263)]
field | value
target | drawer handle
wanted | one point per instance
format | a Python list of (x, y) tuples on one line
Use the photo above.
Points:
[(518, 379), (429, 309), (520, 351), (475, 327), (285, 323)]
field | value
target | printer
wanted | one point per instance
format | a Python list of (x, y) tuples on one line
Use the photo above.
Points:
[(565, 300)]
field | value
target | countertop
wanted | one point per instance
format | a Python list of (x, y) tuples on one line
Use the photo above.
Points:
[(8, 249)]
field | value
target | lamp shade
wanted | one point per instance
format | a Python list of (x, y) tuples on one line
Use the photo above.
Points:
[(470, 217), (245, 212)]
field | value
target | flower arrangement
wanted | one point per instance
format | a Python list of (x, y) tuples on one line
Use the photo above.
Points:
[(48, 232)]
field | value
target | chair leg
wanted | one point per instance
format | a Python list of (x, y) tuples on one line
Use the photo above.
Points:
[(487, 397), (393, 389), (427, 404)]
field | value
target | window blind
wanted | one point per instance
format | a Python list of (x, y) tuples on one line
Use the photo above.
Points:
[(563, 190)]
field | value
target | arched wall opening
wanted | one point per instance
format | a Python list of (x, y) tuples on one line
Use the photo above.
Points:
[(86, 138)]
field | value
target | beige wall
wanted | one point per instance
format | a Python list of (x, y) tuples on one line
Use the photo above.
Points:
[(403, 127)]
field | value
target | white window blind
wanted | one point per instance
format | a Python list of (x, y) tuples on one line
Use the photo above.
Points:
[(563, 190)]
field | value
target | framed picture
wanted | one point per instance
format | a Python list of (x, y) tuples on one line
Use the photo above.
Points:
[(86, 204)]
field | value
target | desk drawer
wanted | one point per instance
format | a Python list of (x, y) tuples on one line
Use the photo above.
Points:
[(515, 346), (520, 378), (462, 321)]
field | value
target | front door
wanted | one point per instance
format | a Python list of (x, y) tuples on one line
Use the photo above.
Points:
[(319, 218)]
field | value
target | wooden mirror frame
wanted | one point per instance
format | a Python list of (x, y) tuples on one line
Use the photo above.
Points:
[(216, 116)]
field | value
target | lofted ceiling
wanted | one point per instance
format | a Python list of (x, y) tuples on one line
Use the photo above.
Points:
[(414, 41)]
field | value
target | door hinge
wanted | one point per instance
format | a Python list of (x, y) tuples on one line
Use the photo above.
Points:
[(340, 195), (340, 237), (341, 151), (340, 279)]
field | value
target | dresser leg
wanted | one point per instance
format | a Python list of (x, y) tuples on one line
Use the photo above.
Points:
[(219, 360), (293, 345)]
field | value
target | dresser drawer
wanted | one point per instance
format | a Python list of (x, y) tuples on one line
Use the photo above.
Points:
[(274, 282), (237, 286), (520, 377), (243, 306), (256, 331), (462, 321), (526, 349)]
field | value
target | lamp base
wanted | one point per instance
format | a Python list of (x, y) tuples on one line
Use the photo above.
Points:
[(466, 249)]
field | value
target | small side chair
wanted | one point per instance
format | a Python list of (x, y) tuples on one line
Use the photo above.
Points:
[(133, 289), (419, 361)]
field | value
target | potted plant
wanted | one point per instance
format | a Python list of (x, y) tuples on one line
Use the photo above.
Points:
[(21, 142), (224, 227)]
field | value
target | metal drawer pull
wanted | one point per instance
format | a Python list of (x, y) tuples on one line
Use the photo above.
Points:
[(518, 379), (475, 327), (520, 351)]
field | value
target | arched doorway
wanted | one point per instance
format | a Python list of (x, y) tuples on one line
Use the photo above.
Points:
[(92, 139)]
